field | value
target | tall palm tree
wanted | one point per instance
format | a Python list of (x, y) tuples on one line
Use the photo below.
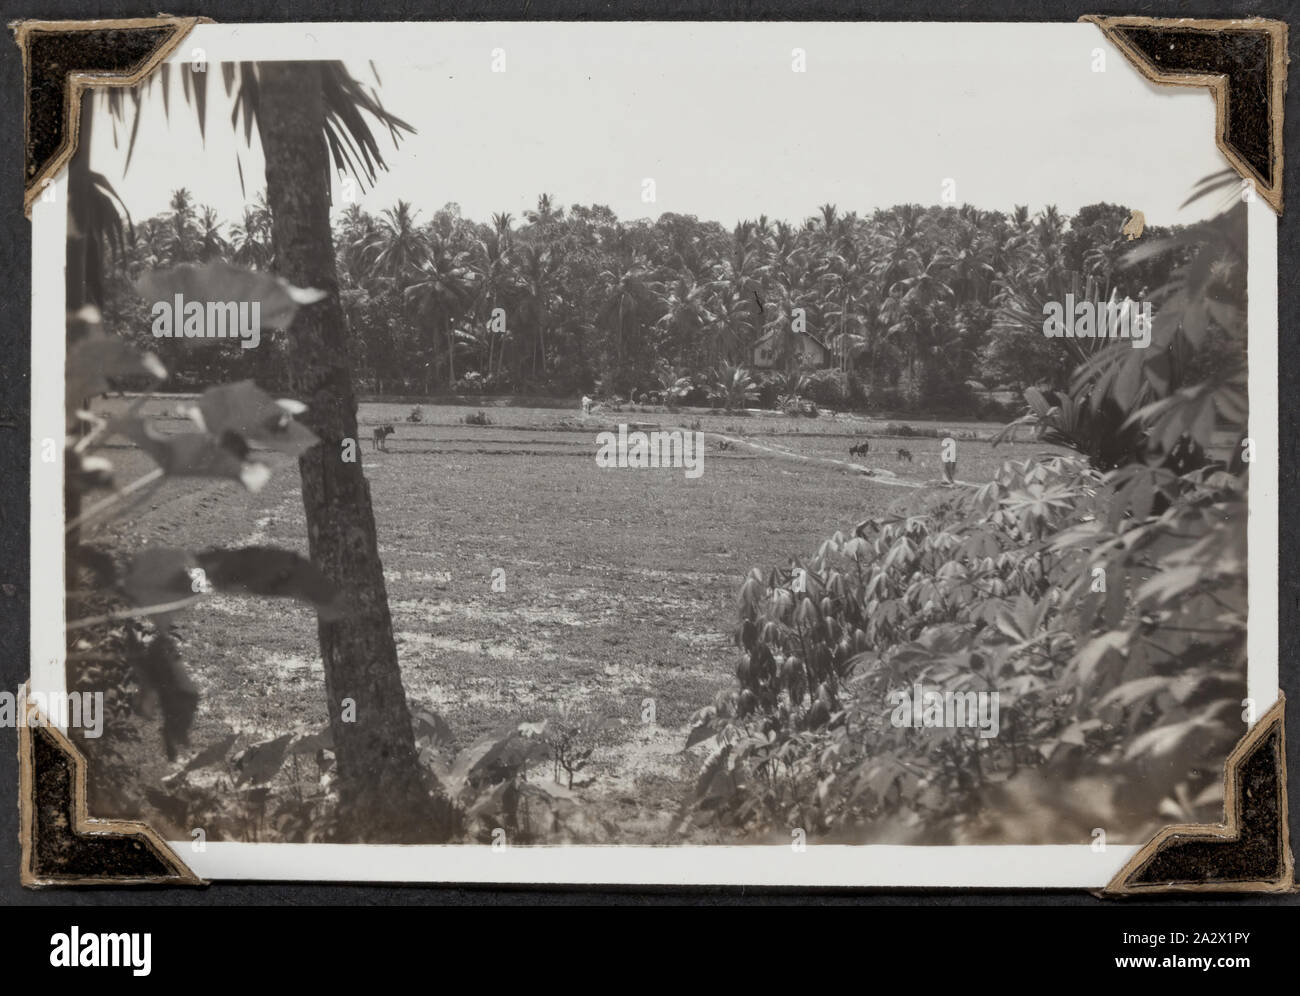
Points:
[(443, 289), (397, 249), (627, 293), (210, 243), (357, 230), (501, 222), (311, 116), (686, 315), (538, 285), (547, 212), (496, 281), (250, 240), (739, 280), (732, 329), (181, 238), (911, 312)]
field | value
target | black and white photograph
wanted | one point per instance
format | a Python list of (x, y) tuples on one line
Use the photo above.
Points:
[(736, 453)]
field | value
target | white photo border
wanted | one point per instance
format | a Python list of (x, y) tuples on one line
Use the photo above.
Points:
[(881, 866)]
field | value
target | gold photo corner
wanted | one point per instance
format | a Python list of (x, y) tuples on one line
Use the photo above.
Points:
[(52, 91), (61, 844), (1172, 51), (1249, 852)]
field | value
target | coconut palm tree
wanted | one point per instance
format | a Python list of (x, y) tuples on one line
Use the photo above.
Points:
[(397, 249), (538, 290), (501, 222), (496, 281), (442, 290), (355, 233), (628, 293), (250, 240), (180, 239), (311, 117), (211, 244), (547, 213), (686, 315)]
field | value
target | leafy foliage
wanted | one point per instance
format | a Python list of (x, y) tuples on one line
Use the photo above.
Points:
[(1101, 598), (158, 582), (992, 591), (734, 387)]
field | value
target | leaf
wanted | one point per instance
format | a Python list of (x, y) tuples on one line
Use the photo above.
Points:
[(1098, 649), (1077, 733), (506, 756), (260, 762), (701, 733), (245, 409), (1136, 691), (97, 357), (431, 725), (1162, 740), (1170, 583), (322, 739), (159, 575), (278, 300), (490, 802), (1211, 795), (1008, 625), (211, 754), (1037, 402), (716, 783), (467, 760), (275, 573), (197, 454)]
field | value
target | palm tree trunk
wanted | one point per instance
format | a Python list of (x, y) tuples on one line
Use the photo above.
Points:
[(451, 354), (541, 347), (383, 797)]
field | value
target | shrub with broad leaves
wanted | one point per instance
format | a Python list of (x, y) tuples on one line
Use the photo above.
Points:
[(1101, 596)]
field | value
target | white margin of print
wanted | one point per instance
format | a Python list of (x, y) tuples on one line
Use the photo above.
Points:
[(1015, 866)]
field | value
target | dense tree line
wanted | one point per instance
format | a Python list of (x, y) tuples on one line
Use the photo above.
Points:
[(912, 303)]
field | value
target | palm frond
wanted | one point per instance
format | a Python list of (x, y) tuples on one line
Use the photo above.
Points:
[(349, 109)]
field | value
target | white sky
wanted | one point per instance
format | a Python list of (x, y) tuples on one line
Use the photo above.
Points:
[(715, 115)]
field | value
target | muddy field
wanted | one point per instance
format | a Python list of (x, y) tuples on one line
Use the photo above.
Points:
[(619, 585)]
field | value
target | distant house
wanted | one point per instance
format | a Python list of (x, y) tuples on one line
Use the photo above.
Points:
[(810, 351)]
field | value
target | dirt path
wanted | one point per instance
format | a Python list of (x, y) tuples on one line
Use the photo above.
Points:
[(880, 476)]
